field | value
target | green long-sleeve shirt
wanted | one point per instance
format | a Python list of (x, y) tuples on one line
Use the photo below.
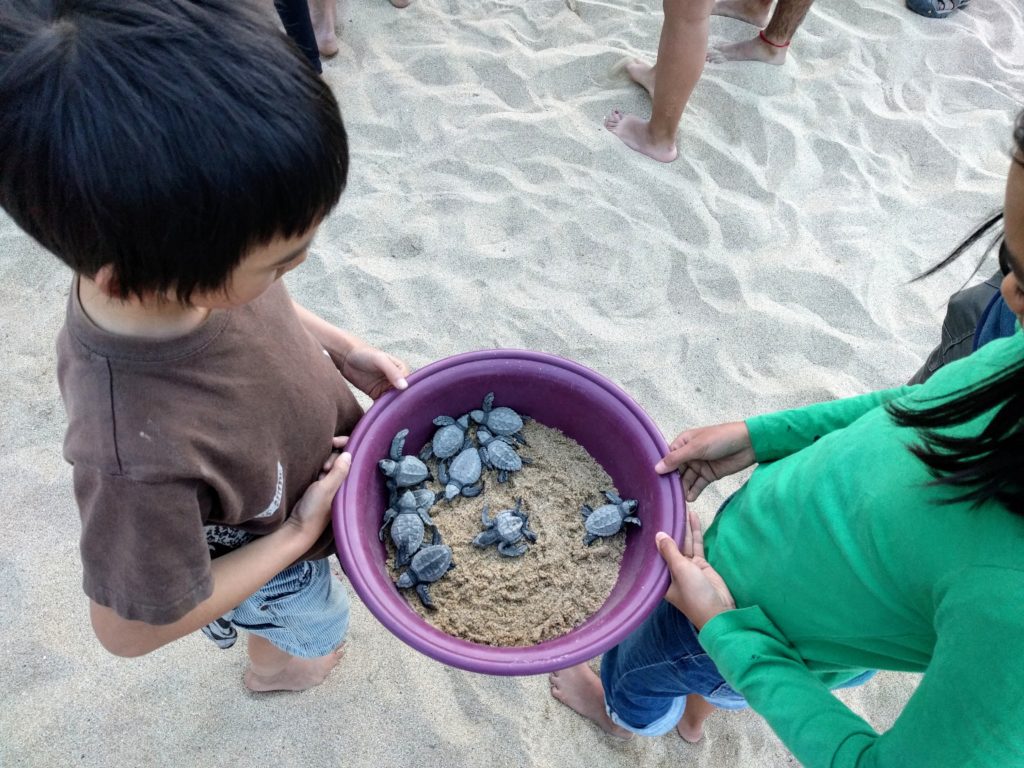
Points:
[(841, 558)]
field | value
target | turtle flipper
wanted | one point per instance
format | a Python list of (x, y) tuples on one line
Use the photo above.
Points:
[(508, 550), (402, 557), (486, 538), (424, 593), (590, 539), (398, 444), (388, 517), (473, 490)]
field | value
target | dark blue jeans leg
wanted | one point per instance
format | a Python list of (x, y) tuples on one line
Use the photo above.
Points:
[(648, 675)]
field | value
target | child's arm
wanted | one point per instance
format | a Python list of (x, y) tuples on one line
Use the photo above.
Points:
[(367, 368), (958, 716), (966, 711), (236, 575), (706, 454), (777, 435)]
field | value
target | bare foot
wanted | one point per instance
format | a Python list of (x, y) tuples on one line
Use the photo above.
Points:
[(748, 50), (642, 74), (296, 675), (580, 690), (689, 733), (635, 134), (756, 12), (691, 725), (323, 14)]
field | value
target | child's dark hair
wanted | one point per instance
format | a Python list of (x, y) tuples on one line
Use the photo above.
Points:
[(166, 139), (989, 465)]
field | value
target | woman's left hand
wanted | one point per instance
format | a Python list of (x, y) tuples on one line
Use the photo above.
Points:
[(373, 371), (696, 589)]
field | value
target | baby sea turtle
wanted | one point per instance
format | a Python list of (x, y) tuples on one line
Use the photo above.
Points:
[(402, 471), (447, 440), (462, 474), (408, 517), (427, 566), (498, 421), (608, 519), (498, 453), (507, 529)]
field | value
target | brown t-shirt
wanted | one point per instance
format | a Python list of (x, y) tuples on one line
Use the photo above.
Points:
[(186, 448)]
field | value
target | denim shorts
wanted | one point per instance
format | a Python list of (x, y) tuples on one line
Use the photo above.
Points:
[(648, 676), (303, 610)]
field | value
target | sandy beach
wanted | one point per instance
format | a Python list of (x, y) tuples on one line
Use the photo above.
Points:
[(487, 206)]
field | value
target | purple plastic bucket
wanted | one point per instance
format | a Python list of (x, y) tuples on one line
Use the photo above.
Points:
[(557, 393)]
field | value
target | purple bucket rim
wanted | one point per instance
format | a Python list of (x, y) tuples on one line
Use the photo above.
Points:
[(551, 655)]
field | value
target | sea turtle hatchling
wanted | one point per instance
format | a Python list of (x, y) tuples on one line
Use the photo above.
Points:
[(461, 475), (408, 518), (402, 471), (427, 566), (607, 520), (507, 529), (498, 421), (448, 439), (496, 452)]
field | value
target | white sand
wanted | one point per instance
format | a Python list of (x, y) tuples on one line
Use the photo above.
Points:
[(487, 206)]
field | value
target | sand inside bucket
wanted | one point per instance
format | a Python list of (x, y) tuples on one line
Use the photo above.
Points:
[(552, 588)]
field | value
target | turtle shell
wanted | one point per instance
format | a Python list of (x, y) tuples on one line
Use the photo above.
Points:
[(407, 530), (431, 563), (409, 471), (447, 441), (465, 468), (503, 421), (604, 521), (510, 526), (503, 456)]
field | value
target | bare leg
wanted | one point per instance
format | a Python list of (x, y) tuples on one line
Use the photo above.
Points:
[(691, 724), (271, 669), (780, 30), (754, 12), (324, 15), (580, 690), (681, 52)]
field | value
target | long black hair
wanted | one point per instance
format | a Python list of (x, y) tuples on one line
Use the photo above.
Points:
[(989, 465)]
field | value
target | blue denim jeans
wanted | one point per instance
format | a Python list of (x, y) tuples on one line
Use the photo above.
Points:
[(648, 676), (303, 610)]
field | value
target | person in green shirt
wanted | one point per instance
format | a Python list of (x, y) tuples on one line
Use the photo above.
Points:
[(884, 531)]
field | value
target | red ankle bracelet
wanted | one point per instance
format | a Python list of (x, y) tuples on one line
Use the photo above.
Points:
[(773, 45)]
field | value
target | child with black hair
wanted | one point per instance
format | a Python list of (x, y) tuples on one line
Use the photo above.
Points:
[(884, 531), (179, 156)]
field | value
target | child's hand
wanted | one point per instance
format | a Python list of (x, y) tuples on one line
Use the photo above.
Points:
[(706, 454), (374, 372), (696, 589), (312, 513)]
